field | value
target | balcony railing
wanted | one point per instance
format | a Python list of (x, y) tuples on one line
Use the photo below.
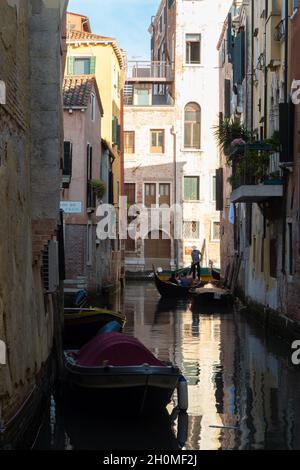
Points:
[(151, 99), (148, 71), (256, 174)]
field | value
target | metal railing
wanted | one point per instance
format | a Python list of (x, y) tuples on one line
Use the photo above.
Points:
[(150, 70), (251, 166)]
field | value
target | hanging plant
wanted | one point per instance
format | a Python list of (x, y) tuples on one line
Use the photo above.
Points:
[(229, 131), (99, 188)]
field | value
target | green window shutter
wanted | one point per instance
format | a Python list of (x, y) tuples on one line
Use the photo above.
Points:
[(113, 129), (118, 136), (93, 65), (191, 188), (71, 65)]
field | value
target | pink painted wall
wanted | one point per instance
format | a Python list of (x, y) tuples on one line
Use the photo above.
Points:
[(81, 131)]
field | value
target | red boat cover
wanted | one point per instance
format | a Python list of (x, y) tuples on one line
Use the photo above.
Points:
[(117, 349)]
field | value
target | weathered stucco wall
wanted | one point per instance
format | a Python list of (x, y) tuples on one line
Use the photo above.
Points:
[(30, 143)]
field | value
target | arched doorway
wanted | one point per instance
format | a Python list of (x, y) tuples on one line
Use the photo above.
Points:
[(157, 250)]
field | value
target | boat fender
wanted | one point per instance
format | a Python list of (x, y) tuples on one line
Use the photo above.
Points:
[(182, 393), (110, 327)]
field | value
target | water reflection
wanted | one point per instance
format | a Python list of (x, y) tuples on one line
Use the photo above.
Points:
[(243, 392), (242, 389)]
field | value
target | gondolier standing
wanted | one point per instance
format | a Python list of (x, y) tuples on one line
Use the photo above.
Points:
[(196, 262)]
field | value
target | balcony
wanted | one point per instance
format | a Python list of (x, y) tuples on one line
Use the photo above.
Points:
[(256, 175), (134, 95), (150, 71)]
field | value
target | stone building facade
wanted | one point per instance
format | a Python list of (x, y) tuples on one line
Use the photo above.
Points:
[(183, 54), (31, 141), (264, 171)]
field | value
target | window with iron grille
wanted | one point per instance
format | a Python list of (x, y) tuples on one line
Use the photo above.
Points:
[(191, 230)]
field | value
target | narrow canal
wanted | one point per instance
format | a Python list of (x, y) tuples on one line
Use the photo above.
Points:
[(243, 390)]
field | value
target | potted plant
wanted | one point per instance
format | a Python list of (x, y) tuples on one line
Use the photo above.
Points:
[(274, 178), (229, 131), (99, 188)]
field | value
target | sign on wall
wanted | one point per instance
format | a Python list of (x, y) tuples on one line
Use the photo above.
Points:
[(71, 207)]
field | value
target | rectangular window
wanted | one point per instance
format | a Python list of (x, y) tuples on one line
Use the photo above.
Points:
[(157, 141), (67, 171), (142, 97), (91, 199), (82, 66), (191, 188), (164, 194), (129, 139), (129, 190), (192, 135), (191, 230), (214, 188), (150, 194), (216, 231), (193, 48)]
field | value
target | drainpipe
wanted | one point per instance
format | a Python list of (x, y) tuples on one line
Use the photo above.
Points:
[(252, 65), (176, 247), (122, 182), (285, 172), (266, 80)]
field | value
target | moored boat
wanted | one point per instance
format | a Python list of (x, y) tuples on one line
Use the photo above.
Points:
[(82, 324), (120, 373), (211, 294), (167, 289), (206, 274)]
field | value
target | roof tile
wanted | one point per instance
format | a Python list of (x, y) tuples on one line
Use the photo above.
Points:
[(77, 90)]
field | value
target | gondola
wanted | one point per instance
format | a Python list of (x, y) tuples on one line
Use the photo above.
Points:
[(119, 373), (212, 295), (215, 274), (206, 274), (167, 289), (82, 324)]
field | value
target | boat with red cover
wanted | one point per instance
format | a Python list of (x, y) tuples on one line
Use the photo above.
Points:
[(121, 373)]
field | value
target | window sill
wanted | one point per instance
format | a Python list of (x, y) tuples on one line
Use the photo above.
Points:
[(199, 66), (192, 201), (192, 150)]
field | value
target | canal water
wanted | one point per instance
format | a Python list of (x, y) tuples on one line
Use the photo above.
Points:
[(243, 390)]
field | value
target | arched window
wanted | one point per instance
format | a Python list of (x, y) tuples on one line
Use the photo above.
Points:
[(192, 126)]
